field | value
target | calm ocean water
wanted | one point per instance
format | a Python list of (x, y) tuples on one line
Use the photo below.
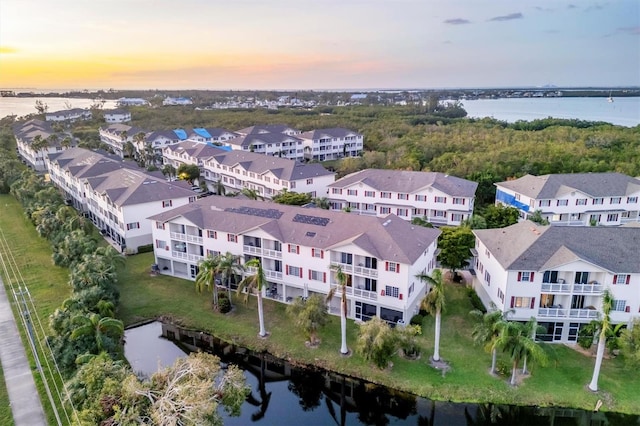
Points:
[(25, 106), (622, 111)]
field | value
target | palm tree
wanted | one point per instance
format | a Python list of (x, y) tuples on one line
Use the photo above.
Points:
[(207, 270), (38, 145), (169, 171), (434, 303), (257, 281), (220, 189), (322, 203), (515, 339), (252, 194), (228, 266), (100, 328), (128, 149), (605, 328), (487, 330), (66, 142), (111, 256), (343, 279)]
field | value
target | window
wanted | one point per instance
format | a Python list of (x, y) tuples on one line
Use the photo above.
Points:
[(293, 248), (487, 278), (402, 212), (392, 267), (525, 276), (581, 202), (563, 202), (346, 258), (391, 291), (621, 279), (550, 277), (352, 192), (317, 276), (615, 200), (336, 190), (212, 253), (294, 271), (421, 198), (385, 195), (459, 201), (402, 196), (523, 302), (385, 210), (457, 217), (516, 196), (371, 194), (544, 203), (167, 203), (597, 201), (619, 305), (632, 200), (133, 225), (440, 199), (159, 225), (439, 213), (612, 217), (411, 289), (212, 234), (581, 278), (501, 295), (162, 244), (317, 253), (232, 238), (309, 181)]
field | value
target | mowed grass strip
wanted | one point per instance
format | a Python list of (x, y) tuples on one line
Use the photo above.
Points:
[(6, 417), (47, 284), (562, 383)]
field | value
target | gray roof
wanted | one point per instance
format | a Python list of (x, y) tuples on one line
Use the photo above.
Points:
[(195, 149), (217, 131), (557, 185), (168, 134), (116, 111), (283, 168), (266, 128), (408, 181), (527, 246), (118, 128), (336, 132), (266, 138), (84, 163), (389, 238)]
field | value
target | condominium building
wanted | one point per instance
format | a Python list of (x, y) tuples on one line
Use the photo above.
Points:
[(331, 144), (557, 274), (436, 197), (117, 116), (115, 195), (36, 139), (116, 135), (73, 114), (297, 248), (574, 199)]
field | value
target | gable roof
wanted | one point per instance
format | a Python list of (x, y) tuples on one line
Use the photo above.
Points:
[(527, 246), (336, 132), (266, 128), (409, 181), (266, 138), (195, 149), (555, 185), (389, 238)]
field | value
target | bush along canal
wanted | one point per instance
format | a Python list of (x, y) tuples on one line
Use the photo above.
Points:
[(286, 394)]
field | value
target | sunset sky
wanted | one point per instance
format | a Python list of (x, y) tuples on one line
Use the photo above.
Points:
[(317, 44)]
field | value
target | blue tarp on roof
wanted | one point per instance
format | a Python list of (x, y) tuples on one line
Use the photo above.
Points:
[(224, 148), (182, 135), (203, 133)]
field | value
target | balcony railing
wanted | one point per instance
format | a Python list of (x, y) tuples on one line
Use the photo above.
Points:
[(552, 312), (556, 288), (594, 288), (252, 249), (272, 253), (360, 270), (583, 313), (178, 236), (357, 292), (268, 273), (194, 239), (187, 256)]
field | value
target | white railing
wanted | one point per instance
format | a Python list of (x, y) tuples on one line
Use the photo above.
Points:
[(179, 254), (268, 273), (178, 236), (344, 266), (194, 239), (365, 294), (252, 249), (552, 312), (272, 253), (556, 288), (595, 288), (583, 313), (367, 272)]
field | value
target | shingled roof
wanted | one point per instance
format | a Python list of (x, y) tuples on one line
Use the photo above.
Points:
[(336, 132), (557, 185)]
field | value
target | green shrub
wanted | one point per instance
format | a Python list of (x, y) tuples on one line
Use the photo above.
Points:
[(423, 312), (224, 305), (416, 319), (476, 302), (147, 248)]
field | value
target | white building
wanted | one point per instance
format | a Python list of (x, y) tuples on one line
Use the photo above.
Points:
[(38, 132), (132, 102), (73, 114), (115, 195), (574, 199), (438, 198), (213, 135), (117, 116), (557, 274), (116, 135), (274, 144), (297, 247), (331, 144), (176, 101)]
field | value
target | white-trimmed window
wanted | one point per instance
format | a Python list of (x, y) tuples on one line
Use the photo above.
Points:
[(133, 225), (501, 295), (612, 217), (167, 203), (544, 203), (212, 234), (391, 291), (421, 197), (162, 245), (615, 200), (294, 271), (317, 253), (621, 279), (597, 201), (439, 213), (371, 194), (403, 196), (487, 278), (458, 200), (212, 253), (159, 225), (293, 248), (457, 217), (385, 210), (581, 202), (402, 212), (619, 305), (232, 238), (440, 199), (336, 190), (385, 195), (632, 200), (525, 276), (563, 203), (309, 181), (352, 192), (392, 267), (523, 302), (317, 276)]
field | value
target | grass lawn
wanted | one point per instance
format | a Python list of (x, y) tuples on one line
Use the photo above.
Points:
[(561, 383), (46, 283)]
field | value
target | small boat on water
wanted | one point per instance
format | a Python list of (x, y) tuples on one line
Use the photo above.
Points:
[(609, 99)]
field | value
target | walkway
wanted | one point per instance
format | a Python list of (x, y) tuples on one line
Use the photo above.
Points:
[(23, 395)]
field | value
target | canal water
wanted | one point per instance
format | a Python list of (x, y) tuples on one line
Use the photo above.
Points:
[(282, 394)]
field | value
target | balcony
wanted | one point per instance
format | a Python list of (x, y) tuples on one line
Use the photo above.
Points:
[(268, 273), (591, 288), (359, 270), (552, 313), (250, 249), (272, 253), (356, 292), (583, 313), (187, 256), (560, 287)]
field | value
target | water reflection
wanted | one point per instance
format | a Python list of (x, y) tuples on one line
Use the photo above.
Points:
[(283, 394)]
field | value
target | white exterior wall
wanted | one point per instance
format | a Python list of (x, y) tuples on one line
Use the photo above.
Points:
[(333, 148), (290, 148), (442, 213), (117, 118), (35, 159)]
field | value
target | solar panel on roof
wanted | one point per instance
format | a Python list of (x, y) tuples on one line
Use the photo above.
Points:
[(311, 220), (251, 211)]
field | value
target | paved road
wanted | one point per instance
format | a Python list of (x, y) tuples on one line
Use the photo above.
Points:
[(23, 396)]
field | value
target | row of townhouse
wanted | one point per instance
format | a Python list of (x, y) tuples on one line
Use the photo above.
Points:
[(28, 136), (117, 196), (71, 115), (438, 198), (116, 115), (297, 247), (557, 274), (574, 199), (237, 170)]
